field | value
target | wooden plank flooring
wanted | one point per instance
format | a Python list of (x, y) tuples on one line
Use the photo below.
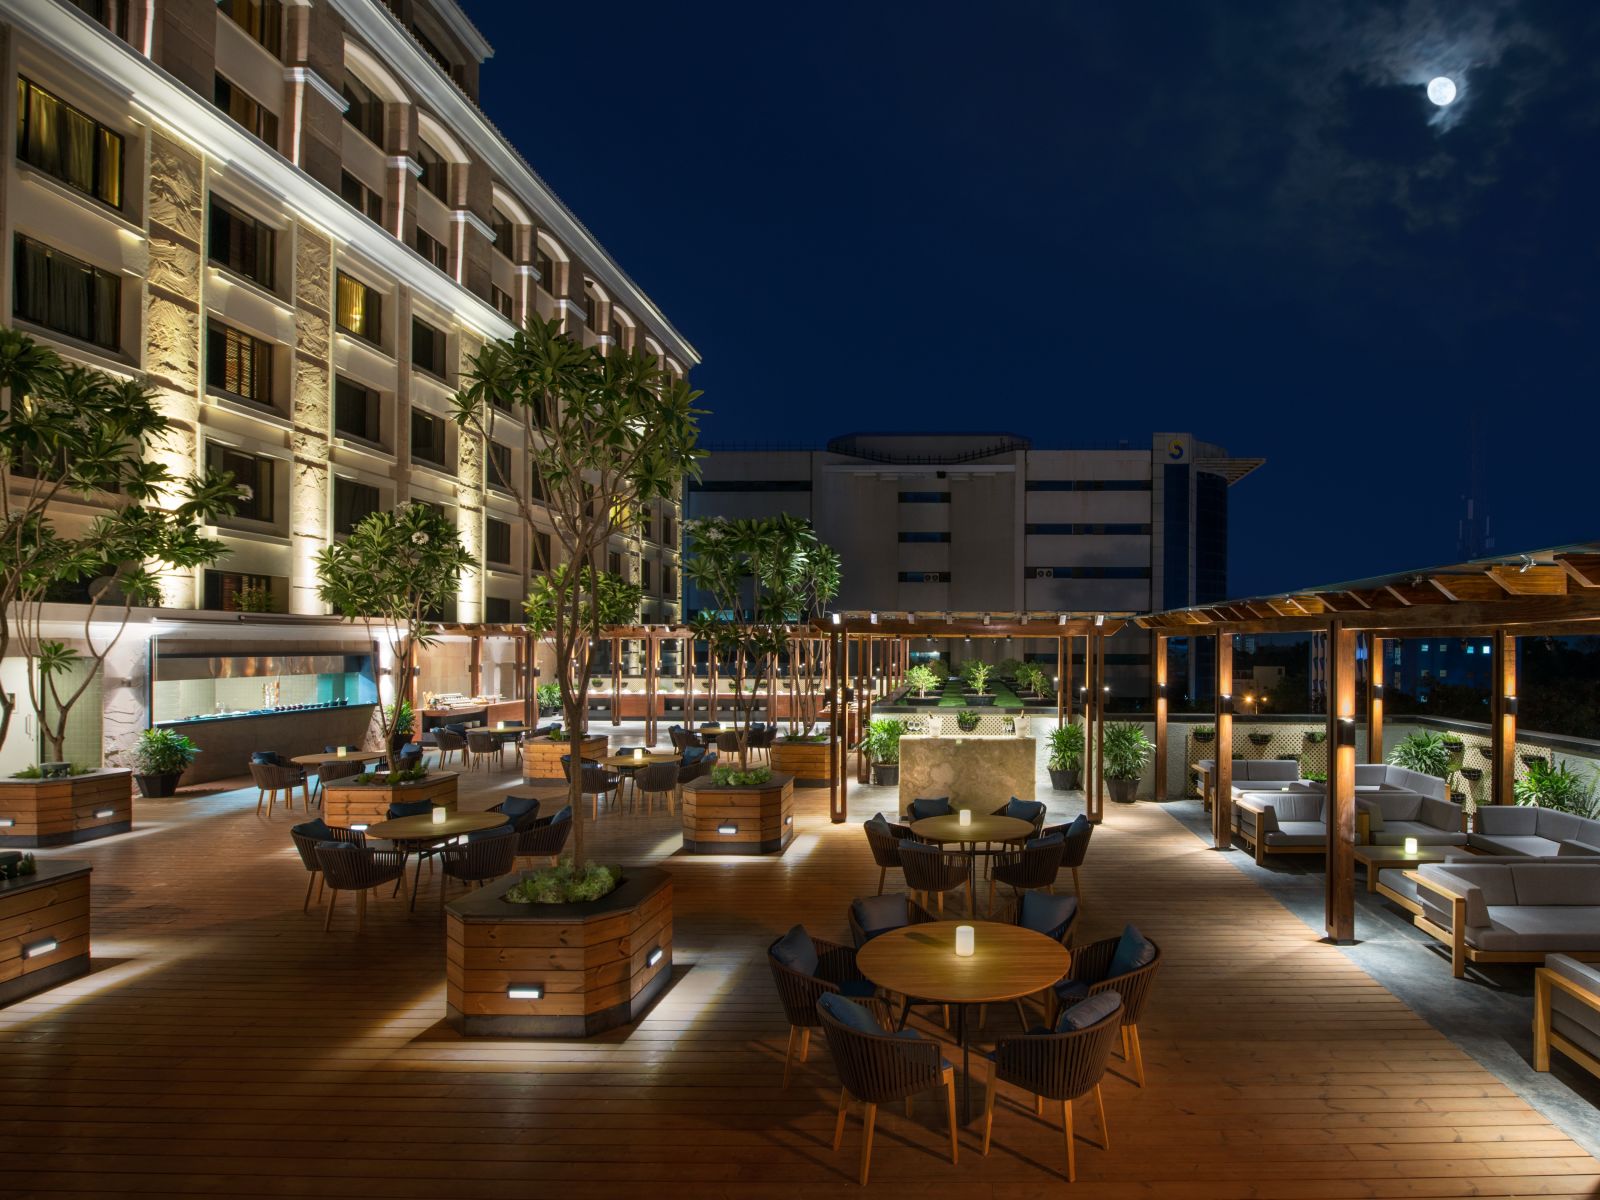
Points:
[(225, 1047)]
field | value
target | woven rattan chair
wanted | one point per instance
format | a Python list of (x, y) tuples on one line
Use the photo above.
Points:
[(761, 741), (1077, 832), (1023, 810), (728, 742), (548, 836), (1058, 1067), (1089, 964), (880, 1068), (351, 868), (921, 809), (683, 739), (272, 778), (487, 856), (860, 934), (595, 781), (885, 846), (448, 742), (1033, 866), (329, 771), (932, 871), (1054, 916), (306, 836), (521, 811), (798, 990), (482, 745), (658, 779)]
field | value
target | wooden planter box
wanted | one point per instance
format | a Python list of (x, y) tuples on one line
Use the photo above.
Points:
[(596, 964), (809, 762), (56, 812), (753, 819), (50, 905), (541, 758), (346, 804)]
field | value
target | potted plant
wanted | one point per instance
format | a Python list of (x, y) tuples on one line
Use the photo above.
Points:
[(549, 697), (1204, 734), (1422, 751), (882, 745), (160, 759), (1066, 757), (966, 720), (1127, 749), (1316, 736), (978, 675), (921, 680), (1258, 738), (1558, 786)]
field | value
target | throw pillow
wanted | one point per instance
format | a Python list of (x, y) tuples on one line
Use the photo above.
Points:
[(796, 951)]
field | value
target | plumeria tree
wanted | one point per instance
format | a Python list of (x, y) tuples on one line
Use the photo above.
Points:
[(75, 438), (391, 574), (604, 599), (606, 434)]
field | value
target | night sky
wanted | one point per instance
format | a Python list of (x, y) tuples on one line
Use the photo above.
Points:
[(1082, 222)]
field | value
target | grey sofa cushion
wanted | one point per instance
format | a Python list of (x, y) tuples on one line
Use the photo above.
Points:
[(1533, 927), (1557, 826), (1285, 769), (1299, 833), (1390, 805), (1395, 833), (1507, 820), (1563, 884), (1513, 845), (1569, 1016), (1576, 850), (1371, 774)]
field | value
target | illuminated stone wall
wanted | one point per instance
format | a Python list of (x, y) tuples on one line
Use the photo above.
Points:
[(469, 495), (311, 415)]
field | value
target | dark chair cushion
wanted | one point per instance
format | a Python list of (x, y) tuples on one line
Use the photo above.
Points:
[(796, 951), (1055, 839), (477, 835), (268, 757), (879, 914), (1086, 1012), (1079, 826), (1046, 913), (860, 988), (563, 814), (330, 845), (1024, 810), (857, 1017), (459, 729), (1133, 951), (922, 809), (879, 824), (518, 806), (314, 828), (1070, 991), (410, 808)]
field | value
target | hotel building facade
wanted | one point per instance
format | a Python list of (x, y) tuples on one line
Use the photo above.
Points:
[(295, 221)]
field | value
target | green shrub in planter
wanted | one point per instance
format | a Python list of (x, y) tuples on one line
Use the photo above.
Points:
[(921, 680), (565, 884), (1422, 751), (1066, 757), (159, 760), (1127, 749), (731, 776), (1558, 786), (966, 720)]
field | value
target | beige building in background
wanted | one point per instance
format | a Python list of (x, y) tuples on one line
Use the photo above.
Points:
[(296, 222)]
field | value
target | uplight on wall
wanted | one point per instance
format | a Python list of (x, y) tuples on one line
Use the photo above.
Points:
[(1347, 731), (1225, 703), (44, 946), (102, 813), (1511, 706), (525, 991)]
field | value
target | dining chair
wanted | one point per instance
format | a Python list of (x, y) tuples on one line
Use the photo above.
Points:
[(878, 1067), (334, 770), (1059, 1065), (307, 836), (804, 969), (547, 837), (1033, 866), (657, 779), (347, 867), (407, 808), (932, 870), (920, 810), (870, 916), (1126, 965), (485, 855), (273, 777), (1077, 832), (595, 781), (1023, 810), (1049, 914), (883, 839), (448, 742), (521, 811)]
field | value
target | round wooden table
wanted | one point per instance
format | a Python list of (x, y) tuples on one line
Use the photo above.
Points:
[(620, 761), (422, 831), (1007, 963), (325, 759), (984, 828)]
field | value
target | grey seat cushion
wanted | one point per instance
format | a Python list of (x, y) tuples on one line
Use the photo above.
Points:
[(1557, 826), (1298, 833), (1395, 833), (1534, 927), (1577, 850), (1570, 1017), (1513, 845)]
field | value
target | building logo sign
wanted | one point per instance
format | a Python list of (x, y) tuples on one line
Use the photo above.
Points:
[(1178, 450)]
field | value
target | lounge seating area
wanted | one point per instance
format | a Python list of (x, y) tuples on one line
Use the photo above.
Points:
[(1528, 831), (1509, 910)]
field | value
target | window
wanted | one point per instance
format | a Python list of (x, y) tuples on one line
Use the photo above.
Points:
[(1086, 572), (427, 348), (497, 541), (359, 309), (254, 473), (591, 304), (427, 438), (246, 110), (356, 410), (505, 234), (644, 574), (66, 295), (497, 610), (365, 111), (614, 564), (230, 591), (1081, 529), (435, 175), (541, 551), (238, 364), (352, 503), (261, 19), (241, 243), (1087, 485), (619, 333), (924, 497), (546, 266), (502, 302), (669, 586), (924, 576), (924, 536), (360, 197), (499, 465), (432, 249), (64, 143)]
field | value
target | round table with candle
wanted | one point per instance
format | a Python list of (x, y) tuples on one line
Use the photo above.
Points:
[(979, 828), (1006, 962), (313, 761), (426, 830)]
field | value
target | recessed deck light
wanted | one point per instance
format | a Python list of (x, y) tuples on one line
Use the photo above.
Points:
[(525, 991), (654, 957), (40, 947), (729, 828)]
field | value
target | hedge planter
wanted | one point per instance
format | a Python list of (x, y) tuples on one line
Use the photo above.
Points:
[(346, 804), (810, 763), (1067, 780), (977, 699), (51, 905), (1123, 791), (1205, 739), (557, 970), (920, 701), (738, 819), (886, 774), (60, 812), (541, 757)]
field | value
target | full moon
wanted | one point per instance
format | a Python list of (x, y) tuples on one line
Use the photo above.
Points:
[(1442, 90)]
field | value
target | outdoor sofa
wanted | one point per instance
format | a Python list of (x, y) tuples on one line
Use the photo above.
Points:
[(1566, 1013), (1510, 910), (1527, 831)]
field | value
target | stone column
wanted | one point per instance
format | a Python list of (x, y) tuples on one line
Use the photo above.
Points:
[(469, 495), (311, 413)]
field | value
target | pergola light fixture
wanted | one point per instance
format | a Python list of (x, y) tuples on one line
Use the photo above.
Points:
[(834, 617), (1062, 619), (1099, 620), (985, 618), (1347, 731), (874, 618), (1511, 706)]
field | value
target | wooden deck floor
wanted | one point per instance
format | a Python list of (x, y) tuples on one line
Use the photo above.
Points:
[(224, 1046)]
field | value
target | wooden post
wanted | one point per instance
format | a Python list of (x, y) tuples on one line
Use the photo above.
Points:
[(616, 681), (1095, 801), (1061, 683), (1341, 862), (1222, 776), (1375, 648), (1160, 683), (530, 682), (1066, 676), (475, 665), (865, 649), (838, 782), (687, 666), (1503, 718), (650, 644)]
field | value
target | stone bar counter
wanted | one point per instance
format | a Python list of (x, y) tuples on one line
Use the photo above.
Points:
[(976, 771)]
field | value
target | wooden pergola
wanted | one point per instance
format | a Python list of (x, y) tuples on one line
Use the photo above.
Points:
[(1545, 593), (878, 644)]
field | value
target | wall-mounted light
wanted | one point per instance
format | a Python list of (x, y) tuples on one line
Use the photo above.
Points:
[(43, 946), (1511, 706), (654, 957), (985, 618), (525, 991), (1161, 690), (873, 618), (1099, 620), (1346, 728), (788, 820), (730, 827), (102, 813), (1225, 702), (834, 617), (7, 822), (1377, 691)]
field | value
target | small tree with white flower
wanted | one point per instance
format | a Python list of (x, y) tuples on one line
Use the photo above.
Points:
[(392, 573)]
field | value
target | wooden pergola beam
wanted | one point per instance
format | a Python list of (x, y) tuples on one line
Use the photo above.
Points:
[(1531, 581), (1582, 569)]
